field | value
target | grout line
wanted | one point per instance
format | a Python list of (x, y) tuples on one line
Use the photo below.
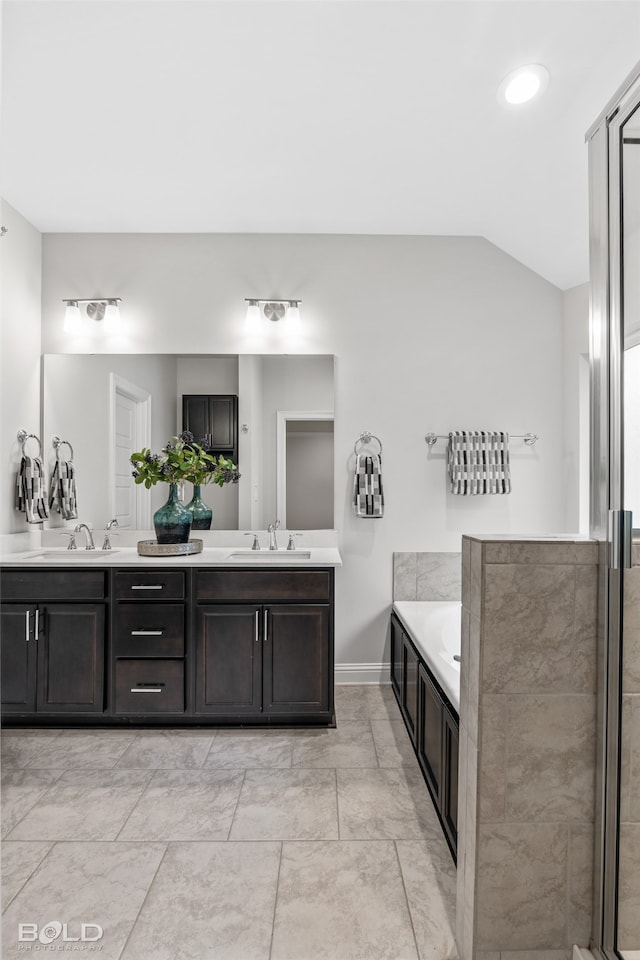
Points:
[(152, 774), (337, 805), (275, 900), (235, 809), (406, 897), (52, 844), (144, 899)]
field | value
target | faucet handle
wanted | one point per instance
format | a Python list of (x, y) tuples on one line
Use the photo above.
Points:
[(292, 544), (256, 543), (72, 545)]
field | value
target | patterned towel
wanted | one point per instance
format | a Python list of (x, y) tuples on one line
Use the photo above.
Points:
[(31, 490), (368, 499), (478, 462), (62, 495)]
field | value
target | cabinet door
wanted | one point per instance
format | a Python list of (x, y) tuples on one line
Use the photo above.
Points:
[(450, 785), (71, 658), (396, 658), (410, 687), (17, 658), (228, 659), (430, 735), (296, 658), (213, 419)]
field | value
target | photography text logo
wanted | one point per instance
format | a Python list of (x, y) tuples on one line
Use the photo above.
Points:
[(57, 936)]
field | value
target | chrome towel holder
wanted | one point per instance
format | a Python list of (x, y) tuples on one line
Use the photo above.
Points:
[(529, 438), (365, 438), (23, 436), (57, 443)]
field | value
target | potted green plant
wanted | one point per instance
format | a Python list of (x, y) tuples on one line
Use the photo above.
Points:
[(182, 459)]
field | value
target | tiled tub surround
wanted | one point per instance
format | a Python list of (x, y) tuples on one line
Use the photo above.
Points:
[(527, 746), (629, 889), (234, 844), (426, 576)]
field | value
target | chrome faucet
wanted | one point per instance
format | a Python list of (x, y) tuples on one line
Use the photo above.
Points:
[(90, 544), (107, 542), (271, 530)]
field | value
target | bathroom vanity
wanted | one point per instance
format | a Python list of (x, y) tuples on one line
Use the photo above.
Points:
[(128, 640)]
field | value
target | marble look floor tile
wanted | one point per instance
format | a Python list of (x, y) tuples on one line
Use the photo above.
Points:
[(164, 750), (19, 860), (74, 750), (349, 745), (286, 804), (341, 901), (209, 900), (102, 883), (365, 702), (185, 805), (391, 804), (21, 789), (429, 875), (83, 805), (251, 749), (20, 748), (393, 746)]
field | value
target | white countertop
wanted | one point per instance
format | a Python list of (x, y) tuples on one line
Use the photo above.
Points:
[(209, 557)]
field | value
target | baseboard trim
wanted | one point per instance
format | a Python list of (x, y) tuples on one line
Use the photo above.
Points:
[(362, 673)]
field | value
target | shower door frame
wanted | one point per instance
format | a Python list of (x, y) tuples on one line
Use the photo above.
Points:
[(607, 490)]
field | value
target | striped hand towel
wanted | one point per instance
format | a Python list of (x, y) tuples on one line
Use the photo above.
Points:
[(62, 495), (478, 462), (368, 499), (30, 490)]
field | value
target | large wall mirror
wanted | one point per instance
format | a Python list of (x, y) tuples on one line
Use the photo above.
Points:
[(107, 405)]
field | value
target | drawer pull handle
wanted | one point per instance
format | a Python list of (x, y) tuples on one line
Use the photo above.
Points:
[(26, 628), (147, 586), (146, 689), (147, 633)]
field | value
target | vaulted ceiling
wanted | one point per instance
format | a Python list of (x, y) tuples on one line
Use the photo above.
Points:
[(327, 116)]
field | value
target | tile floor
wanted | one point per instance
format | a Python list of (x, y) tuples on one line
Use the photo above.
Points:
[(229, 844)]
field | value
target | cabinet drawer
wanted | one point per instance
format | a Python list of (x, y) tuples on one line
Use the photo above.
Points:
[(263, 586), (150, 585), (149, 686), (149, 630), (38, 584)]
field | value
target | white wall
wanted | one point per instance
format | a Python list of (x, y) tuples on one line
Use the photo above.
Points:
[(575, 304), (20, 272), (430, 333)]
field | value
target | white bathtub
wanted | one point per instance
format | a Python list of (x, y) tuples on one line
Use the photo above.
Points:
[(434, 627)]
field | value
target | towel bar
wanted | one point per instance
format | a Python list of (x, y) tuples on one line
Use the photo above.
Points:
[(529, 438)]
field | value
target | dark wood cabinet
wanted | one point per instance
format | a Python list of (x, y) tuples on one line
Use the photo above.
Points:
[(432, 724), (295, 658), (213, 421), (228, 669), (52, 658)]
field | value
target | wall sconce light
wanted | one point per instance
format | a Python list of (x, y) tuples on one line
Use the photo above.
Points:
[(100, 309), (272, 310)]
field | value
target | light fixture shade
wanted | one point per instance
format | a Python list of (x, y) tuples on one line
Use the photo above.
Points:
[(523, 85), (253, 316), (112, 317), (72, 317), (293, 315)]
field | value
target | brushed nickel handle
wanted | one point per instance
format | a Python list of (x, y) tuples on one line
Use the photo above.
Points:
[(145, 586), (266, 628), (146, 689), (36, 629), (147, 633), (26, 628), (257, 626)]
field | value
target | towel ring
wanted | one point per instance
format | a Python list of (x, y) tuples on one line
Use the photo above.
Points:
[(57, 443), (365, 438), (23, 436)]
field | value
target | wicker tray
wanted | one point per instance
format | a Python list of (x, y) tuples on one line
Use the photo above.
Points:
[(151, 548)]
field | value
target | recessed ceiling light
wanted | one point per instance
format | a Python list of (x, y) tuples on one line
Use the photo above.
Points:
[(523, 85)]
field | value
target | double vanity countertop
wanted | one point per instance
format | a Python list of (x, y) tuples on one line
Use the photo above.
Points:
[(325, 556)]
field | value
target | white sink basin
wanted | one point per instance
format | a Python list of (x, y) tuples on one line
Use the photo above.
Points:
[(72, 556), (270, 556)]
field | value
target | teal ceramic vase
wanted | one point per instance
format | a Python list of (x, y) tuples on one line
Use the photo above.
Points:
[(201, 514), (172, 521)]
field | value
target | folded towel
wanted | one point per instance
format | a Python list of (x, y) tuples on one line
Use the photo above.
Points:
[(478, 462), (30, 490), (62, 495), (368, 499)]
